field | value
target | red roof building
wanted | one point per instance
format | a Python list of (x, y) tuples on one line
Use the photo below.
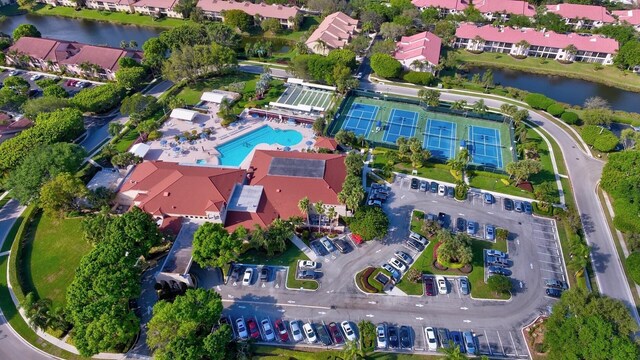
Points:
[(213, 9), (334, 32), (422, 48), (582, 16), (326, 143), (490, 9), (629, 16)]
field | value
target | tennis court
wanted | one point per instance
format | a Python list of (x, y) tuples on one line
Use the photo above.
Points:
[(484, 145), (401, 123), (440, 138), (296, 95), (360, 118)]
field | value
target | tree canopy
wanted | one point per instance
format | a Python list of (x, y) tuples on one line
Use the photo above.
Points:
[(25, 30), (385, 65), (370, 222), (190, 62), (237, 19), (61, 194), (621, 179), (521, 170), (98, 99), (214, 246), (454, 249)]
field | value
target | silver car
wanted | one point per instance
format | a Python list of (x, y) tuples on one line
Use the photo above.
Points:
[(242, 328), (295, 330), (381, 336), (463, 284)]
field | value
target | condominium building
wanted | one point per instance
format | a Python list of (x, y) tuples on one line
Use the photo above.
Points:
[(334, 32), (631, 17), (420, 52), (286, 15), (582, 16), (490, 9)]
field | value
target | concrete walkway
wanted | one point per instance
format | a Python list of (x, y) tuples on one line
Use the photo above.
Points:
[(304, 248)]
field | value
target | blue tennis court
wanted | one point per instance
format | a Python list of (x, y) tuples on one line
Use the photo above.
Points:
[(440, 138), (360, 118), (484, 146), (401, 123)]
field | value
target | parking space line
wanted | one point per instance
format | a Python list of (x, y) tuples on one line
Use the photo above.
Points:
[(500, 340), (553, 271), (488, 345), (549, 262), (514, 343)]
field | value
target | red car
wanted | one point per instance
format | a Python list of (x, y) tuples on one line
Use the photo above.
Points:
[(254, 332), (429, 286), (336, 334), (282, 331)]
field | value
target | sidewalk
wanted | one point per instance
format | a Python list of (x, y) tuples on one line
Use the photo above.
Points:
[(304, 248)]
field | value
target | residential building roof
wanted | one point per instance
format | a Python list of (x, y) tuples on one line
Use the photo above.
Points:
[(630, 16), (160, 4), (442, 4), (421, 46), (105, 57), (596, 43), (275, 11), (117, 2), (577, 11), (505, 6), (45, 49), (326, 143), (172, 188), (335, 30)]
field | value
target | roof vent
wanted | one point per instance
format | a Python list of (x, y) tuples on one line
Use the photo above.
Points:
[(165, 194), (278, 190), (174, 207)]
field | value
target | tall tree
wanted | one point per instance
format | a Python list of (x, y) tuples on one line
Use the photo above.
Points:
[(214, 246), (61, 194), (25, 30)]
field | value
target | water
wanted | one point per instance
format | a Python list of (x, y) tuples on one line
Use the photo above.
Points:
[(233, 152), (84, 31), (566, 90)]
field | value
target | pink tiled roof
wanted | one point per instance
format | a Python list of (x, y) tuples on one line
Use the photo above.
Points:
[(105, 57), (585, 43), (161, 4), (335, 30), (266, 11), (424, 45), (442, 4), (117, 2), (630, 16), (45, 49), (577, 11), (505, 6)]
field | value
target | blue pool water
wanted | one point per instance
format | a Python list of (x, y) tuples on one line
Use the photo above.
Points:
[(201, 161), (233, 152)]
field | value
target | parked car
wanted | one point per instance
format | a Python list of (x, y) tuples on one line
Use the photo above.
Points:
[(443, 338), (442, 285), (456, 337), (235, 273), (469, 342), (463, 284), (489, 232), (556, 293), (71, 83), (401, 255), (424, 186), (328, 245), (242, 328), (399, 265), (461, 224), (488, 198), (442, 219), (36, 77), (518, 206), (497, 261), (499, 270), (507, 204), (336, 334), (254, 332), (405, 337), (323, 335), (471, 228), (442, 190), (374, 202), (429, 286), (307, 274), (394, 272), (14, 72), (269, 335), (309, 333), (413, 245), (296, 333), (379, 197), (380, 190), (432, 341), (392, 334), (496, 253), (451, 192), (348, 331), (555, 284), (264, 273), (419, 238), (282, 330), (381, 336), (434, 187), (248, 274), (415, 183), (527, 207), (431, 217), (307, 264), (342, 246)]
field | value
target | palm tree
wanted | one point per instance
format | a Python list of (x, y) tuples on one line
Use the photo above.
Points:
[(319, 207), (452, 352), (418, 65), (331, 213), (320, 46), (579, 258), (479, 107), (303, 205), (459, 105)]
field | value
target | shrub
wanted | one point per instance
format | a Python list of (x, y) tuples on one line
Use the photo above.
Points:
[(606, 142), (538, 101), (555, 109), (363, 277), (570, 118), (633, 266), (418, 78), (154, 135), (385, 66), (590, 133)]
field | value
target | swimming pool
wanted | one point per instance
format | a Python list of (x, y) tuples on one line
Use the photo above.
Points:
[(233, 152)]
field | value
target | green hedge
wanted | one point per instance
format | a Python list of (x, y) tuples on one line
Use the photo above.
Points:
[(538, 101), (555, 109), (633, 266), (15, 264), (418, 78), (570, 118), (590, 133), (601, 139)]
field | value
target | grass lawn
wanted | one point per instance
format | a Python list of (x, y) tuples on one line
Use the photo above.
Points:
[(52, 252), (110, 16), (490, 181), (478, 287), (609, 75), (308, 22), (125, 142), (289, 258), (262, 352), (431, 170)]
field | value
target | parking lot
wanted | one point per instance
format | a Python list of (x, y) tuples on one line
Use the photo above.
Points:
[(67, 83)]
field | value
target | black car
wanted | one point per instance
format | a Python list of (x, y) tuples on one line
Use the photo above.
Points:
[(442, 219), (556, 293), (342, 246), (264, 274), (307, 274), (461, 224), (451, 192), (456, 337), (392, 333), (405, 337), (508, 204), (499, 270), (414, 245), (415, 183), (443, 337), (323, 334), (235, 273), (434, 187), (554, 284)]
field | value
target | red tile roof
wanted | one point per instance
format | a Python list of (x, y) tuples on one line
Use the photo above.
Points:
[(105, 57), (274, 11), (630, 16), (577, 11), (505, 6), (264, 215), (442, 4), (421, 46), (171, 188), (585, 43), (326, 143), (335, 30), (284, 192)]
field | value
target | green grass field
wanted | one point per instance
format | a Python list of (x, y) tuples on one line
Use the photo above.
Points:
[(115, 16), (289, 258), (52, 252)]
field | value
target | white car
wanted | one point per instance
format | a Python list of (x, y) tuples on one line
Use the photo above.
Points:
[(307, 264), (248, 274), (295, 330), (399, 265), (309, 333), (348, 331), (442, 285), (419, 238), (381, 336), (269, 335), (442, 190), (242, 328), (36, 77), (432, 341)]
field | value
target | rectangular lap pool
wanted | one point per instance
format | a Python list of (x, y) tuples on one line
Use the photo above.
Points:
[(233, 152)]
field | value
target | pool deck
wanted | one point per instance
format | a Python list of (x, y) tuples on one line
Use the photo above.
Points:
[(205, 149)]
